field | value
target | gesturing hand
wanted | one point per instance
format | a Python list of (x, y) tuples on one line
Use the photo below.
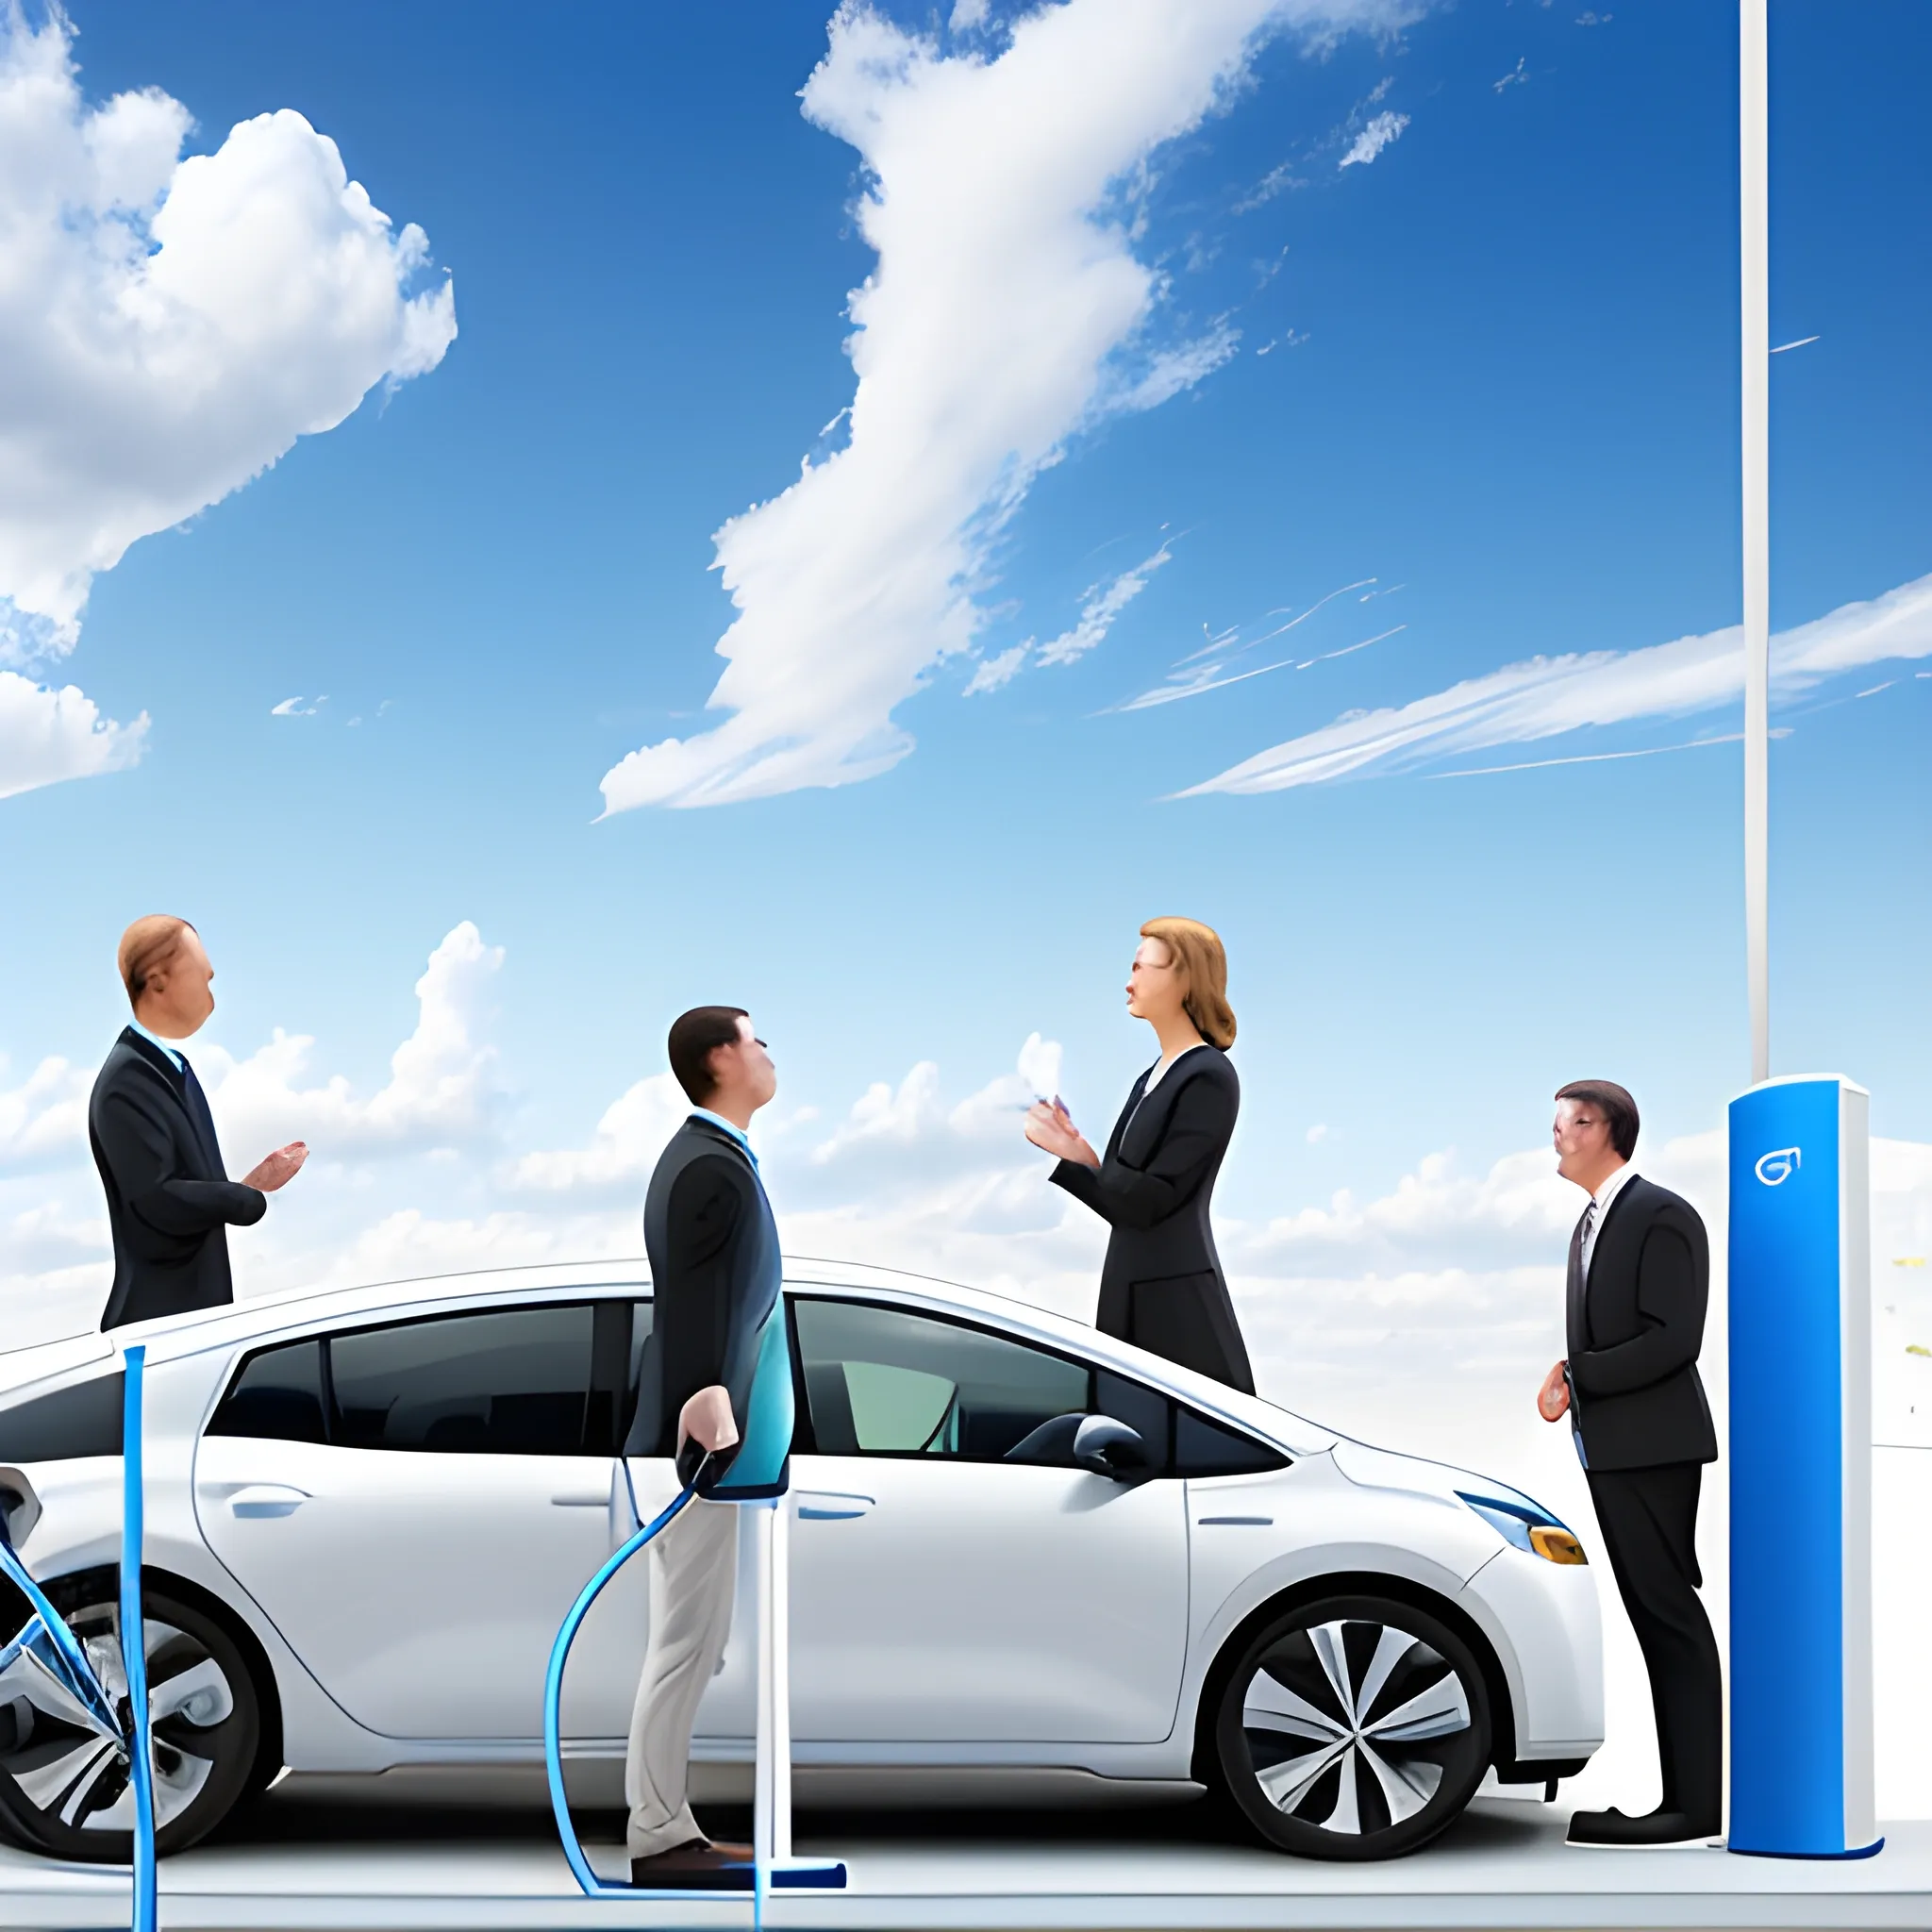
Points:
[(1052, 1128), (277, 1169), (706, 1419), (1553, 1398)]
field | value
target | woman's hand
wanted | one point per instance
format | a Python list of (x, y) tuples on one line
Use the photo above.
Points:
[(1052, 1128)]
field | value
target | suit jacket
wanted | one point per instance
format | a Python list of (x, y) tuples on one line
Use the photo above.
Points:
[(1161, 1285), (716, 1275), (170, 1201), (1634, 1328)]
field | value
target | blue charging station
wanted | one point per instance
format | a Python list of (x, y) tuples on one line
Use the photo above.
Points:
[(1801, 1471)]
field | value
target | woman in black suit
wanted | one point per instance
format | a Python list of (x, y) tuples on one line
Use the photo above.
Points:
[(1161, 1287)]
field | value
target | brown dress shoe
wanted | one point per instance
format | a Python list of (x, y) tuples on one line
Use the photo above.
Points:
[(697, 1865)]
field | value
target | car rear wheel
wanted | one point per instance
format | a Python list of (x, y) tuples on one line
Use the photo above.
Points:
[(1354, 1727), (64, 1785)]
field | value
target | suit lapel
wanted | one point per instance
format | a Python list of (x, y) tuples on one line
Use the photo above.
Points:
[(186, 1091)]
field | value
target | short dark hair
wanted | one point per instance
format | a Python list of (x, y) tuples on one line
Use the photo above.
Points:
[(1616, 1105), (695, 1037)]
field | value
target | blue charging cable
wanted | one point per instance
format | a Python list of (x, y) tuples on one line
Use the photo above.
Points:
[(140, 1761), (54, 1647), (553, 1693)]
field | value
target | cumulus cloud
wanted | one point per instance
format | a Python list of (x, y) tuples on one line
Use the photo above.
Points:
[(440, 1091), (1008, 312), (44, 1118), (168, 326), (1548, 696), (622, 1151), (1378, 134), (48, 735)]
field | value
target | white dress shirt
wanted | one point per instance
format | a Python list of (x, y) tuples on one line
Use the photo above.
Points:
[(172, 1052), (731, 1127), (1599, 1206)]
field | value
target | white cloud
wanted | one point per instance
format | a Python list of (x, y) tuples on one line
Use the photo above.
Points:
[(44, 1118), (167, 326), (1378, 134), (621, 1152), (1008, 312), (1099, 607), (439, 1093), (48, 735), (301, 707), (995, 673), (1099, 610), (1548, 696)]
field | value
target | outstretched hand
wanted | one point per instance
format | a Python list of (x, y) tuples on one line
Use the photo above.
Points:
[(1553, 1398), (1049, 1125), (277, 1169)]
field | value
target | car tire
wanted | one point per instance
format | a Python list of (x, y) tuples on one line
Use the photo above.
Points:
[(1353, 1727), (63, 1787)]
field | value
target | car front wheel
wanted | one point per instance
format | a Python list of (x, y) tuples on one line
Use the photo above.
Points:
[(64, 1785), (1354, 1727)]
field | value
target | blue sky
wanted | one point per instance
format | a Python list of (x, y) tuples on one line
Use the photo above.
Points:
[(1486, 374), (1379, 348)]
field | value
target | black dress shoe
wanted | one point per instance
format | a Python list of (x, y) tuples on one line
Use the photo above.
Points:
[(697, 1865), (1654, 1829)]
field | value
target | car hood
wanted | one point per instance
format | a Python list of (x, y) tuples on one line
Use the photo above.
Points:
[(1383, 1469)]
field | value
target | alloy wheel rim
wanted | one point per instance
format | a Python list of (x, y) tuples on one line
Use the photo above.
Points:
[(73, 1774), (1351, 1726)]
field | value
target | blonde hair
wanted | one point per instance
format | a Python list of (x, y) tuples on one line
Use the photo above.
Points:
[(146, 947), (1197, 951)]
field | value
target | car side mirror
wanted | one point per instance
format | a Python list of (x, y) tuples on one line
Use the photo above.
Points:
[(1093, 1443)]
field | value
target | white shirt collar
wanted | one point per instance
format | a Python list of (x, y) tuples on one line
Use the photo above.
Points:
[(1612, 1188), (731, 1127), (172, 1052)]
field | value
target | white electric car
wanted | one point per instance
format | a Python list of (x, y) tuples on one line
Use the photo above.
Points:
[(369, 1509)]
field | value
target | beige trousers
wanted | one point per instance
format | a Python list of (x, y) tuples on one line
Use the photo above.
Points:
[(693, 1578)]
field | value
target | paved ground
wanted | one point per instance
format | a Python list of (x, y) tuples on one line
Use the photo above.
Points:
[(1503, 1866)]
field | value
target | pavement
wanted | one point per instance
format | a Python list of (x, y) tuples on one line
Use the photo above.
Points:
[(1504, 1865)]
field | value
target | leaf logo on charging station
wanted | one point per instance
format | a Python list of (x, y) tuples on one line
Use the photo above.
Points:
[(1777, 1166)]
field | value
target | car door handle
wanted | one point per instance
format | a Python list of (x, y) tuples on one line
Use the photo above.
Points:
[(583, 1500), (829, 1505), (266, 1499)]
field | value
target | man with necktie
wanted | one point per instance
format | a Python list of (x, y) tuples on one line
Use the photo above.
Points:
[(170, 1201), (1638, 1281)]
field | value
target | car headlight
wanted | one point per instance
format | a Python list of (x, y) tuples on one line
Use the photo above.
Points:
[(1521, 1521)]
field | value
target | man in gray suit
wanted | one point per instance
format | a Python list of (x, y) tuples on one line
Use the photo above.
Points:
[(716, 1382)]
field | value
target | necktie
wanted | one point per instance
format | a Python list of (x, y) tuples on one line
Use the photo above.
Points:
[(202, 1121)]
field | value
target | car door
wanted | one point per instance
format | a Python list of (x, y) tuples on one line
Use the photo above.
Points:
[(416, 1503), (942, 1593)]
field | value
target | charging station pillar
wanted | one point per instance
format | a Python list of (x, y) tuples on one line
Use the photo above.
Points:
[(1801, 1471)]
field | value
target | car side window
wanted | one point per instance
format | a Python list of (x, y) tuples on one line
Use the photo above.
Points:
[(276, 1396), (549, 1380), (1208, 1448), (885, 1381)]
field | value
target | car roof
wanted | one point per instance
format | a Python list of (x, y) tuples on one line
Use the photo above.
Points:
[(300, 1311)]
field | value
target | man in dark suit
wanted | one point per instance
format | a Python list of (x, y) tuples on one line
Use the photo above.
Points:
[(716, 1378), (1639, 1278), (170, 1201)]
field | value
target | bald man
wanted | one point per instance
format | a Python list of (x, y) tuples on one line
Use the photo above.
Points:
[(170, 1201)]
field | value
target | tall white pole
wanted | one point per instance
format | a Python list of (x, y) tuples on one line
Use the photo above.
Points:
[(1755, 303)]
